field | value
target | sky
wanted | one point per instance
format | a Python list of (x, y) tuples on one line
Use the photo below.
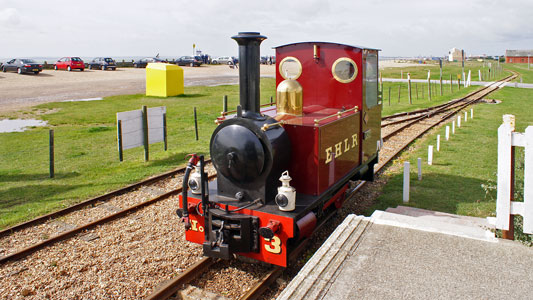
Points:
[(55, 28)]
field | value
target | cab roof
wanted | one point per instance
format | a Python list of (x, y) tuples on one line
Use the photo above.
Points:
[(317, 42)]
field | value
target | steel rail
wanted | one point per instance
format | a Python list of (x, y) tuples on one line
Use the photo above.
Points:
[(65, 235), (173, 286), (78, 206)]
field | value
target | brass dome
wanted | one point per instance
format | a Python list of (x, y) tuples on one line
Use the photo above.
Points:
[(289, 97)]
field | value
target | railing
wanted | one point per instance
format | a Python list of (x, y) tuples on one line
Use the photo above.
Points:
[(506, 208)]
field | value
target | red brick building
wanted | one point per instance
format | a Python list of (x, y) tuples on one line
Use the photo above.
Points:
[(518, 56)]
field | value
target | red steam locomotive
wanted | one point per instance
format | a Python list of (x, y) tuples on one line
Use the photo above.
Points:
[(282, 170)]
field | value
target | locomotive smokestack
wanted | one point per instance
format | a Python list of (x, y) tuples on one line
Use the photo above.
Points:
[(249, 43)]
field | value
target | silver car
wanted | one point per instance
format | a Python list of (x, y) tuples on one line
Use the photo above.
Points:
[(223, 60)]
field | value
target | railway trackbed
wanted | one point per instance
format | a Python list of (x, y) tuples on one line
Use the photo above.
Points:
[(142, 247)]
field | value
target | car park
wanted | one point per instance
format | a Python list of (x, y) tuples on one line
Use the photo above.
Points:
[(103, 63), (143, 62), (223, 60), (22, 65), (69, 64), (193, 61)]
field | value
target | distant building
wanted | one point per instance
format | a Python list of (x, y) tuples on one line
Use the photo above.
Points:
[(518, 56), (455, 55)]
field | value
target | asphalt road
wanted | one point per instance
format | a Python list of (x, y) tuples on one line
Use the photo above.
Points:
[(23, 91)]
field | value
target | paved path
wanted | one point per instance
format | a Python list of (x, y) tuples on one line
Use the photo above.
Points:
[(383, 257), (482, 83)]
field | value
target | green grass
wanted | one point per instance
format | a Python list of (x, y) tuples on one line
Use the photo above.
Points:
[(86, 158), (462, 178), (449, 68), (525, 75)]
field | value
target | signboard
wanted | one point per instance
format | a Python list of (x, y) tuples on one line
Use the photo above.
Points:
[(137, 128)]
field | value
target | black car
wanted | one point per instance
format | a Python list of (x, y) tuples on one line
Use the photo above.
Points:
[(193, 61), (141, 63), (22, 65), (104, 63)]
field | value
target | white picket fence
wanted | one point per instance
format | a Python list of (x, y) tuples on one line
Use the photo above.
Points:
[(507, 139)]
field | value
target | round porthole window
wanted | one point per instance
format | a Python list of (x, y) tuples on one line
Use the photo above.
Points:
[(290, 68), (344, 70)]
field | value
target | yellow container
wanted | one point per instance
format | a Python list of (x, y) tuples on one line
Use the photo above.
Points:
[(164, 80)]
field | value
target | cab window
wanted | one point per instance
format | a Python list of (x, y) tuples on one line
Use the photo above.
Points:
[(371, 80)]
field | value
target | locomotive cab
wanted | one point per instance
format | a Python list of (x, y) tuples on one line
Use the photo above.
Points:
[(324, 131)]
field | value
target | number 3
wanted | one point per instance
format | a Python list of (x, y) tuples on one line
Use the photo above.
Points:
[(275, 245)]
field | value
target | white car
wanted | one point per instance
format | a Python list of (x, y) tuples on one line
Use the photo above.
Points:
[(225, 60)]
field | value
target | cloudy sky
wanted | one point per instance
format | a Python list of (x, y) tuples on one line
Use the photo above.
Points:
[(51, 28)]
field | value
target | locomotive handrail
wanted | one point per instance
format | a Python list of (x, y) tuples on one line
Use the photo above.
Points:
[(225, 113), (267, 126), (338, 114)]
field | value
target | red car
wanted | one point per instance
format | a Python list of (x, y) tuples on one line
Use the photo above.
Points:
[(69, 64)]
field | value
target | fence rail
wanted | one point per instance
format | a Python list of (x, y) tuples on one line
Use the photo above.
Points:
[(508, 139)]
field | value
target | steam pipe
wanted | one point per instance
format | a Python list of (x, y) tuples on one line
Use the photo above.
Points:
[(249, 79)]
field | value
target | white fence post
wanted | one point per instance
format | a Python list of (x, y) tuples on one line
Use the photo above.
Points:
[(419, 168), (528, 181), (471, 113), (459, 121), (466, 116), (406, 182), (505, 207), (438, 142), (430, 154), (453, 126), (447, 132)]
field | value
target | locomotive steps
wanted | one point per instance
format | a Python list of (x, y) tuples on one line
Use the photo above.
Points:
[(412, 253)]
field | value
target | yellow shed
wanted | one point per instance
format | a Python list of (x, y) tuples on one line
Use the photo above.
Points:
[(164, 80)]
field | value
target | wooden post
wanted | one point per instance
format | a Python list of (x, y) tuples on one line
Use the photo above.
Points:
[(451, 84), (165, 131), (441, 85), (459, 83), (119, 138), (409, 88), (145, 133), (429, 89), (406, 173), (271, 100), (225, 104), (399, 91), (389, 95), (195, 123), (52, 160)]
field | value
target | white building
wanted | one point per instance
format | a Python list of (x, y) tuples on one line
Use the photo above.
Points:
[(455, 55)]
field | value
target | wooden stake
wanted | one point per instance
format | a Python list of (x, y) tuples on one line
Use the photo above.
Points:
[(195, 123), (145, 133), (165, 131), (52, 160), (119, 138)]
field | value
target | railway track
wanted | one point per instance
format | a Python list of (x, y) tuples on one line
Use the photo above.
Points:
[(432, 117)]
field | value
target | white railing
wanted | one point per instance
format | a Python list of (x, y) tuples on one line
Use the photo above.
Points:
[(505, 207)]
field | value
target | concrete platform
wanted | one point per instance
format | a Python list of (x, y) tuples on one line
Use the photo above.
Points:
[(407, 253)]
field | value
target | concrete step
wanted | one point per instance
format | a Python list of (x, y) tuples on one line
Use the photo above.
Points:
[(451, 225), (321, 270), (441, 216)]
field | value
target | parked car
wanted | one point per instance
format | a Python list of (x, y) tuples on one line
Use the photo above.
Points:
[(193, 61), (22, 65), (69, 64), (104, 63), (223, 60), (141, 63)]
